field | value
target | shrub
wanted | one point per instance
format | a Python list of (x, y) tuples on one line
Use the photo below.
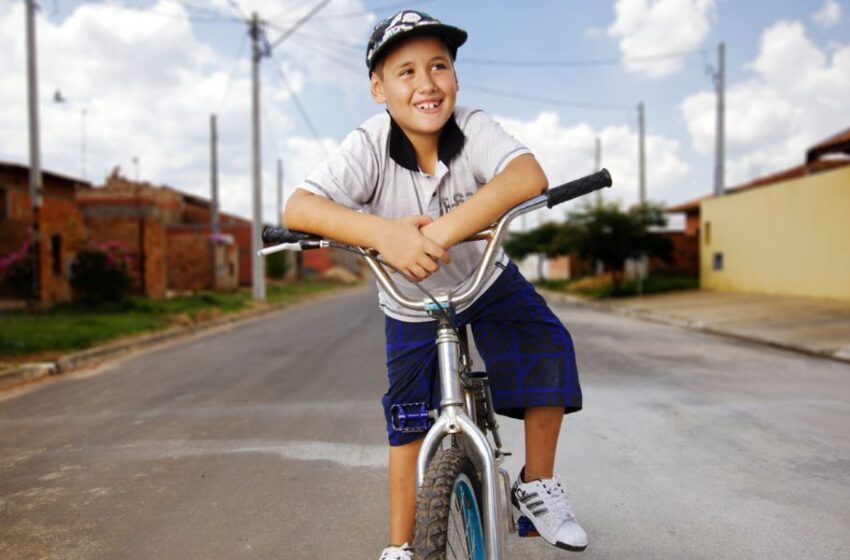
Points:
[(101, 275), (16, 270)]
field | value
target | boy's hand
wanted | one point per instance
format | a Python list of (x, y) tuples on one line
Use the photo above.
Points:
[(406, 248)]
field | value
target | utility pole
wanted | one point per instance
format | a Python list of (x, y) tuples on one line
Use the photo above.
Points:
[(258, 279), (36, 187), (83, 112), (214, 225), (279, 207), (641, 153), (720, 148)]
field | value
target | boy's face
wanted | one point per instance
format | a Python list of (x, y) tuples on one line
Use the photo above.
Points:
[(418, 85)]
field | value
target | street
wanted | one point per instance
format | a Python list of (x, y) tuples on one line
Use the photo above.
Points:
[(266, 440)]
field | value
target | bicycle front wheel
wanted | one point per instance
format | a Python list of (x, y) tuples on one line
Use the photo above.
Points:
[(448, 510)]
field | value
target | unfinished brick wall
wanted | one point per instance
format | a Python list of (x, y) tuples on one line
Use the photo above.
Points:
[(190, 259)]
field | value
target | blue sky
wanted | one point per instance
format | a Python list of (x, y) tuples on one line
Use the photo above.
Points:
[(149, 72)]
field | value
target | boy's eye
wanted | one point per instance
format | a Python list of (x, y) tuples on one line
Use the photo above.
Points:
[(439, 66), (405, 72)]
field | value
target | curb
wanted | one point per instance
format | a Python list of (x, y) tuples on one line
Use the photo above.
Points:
[(841, 355), (85, 358)]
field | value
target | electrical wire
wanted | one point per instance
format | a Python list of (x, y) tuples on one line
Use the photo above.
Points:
[(300, 108), (534, 98), (230, 80), (301, 21), (577, 63)]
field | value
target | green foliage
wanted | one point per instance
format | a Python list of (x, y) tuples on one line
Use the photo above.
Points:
[(598, 232), (277, 265), (16, 270), (100, 275)]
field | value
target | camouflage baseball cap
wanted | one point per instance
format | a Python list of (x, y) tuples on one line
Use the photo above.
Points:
[(405, 24)]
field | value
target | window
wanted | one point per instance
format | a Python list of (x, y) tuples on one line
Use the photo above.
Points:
[(56, 253), (718, 261), (707, 230)]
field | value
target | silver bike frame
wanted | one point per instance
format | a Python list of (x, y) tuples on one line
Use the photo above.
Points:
[(454, 419)]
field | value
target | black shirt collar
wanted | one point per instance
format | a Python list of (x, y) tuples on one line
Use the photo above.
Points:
[(449, 146)]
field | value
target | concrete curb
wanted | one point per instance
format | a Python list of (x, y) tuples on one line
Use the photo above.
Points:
[(85, 358), (840, 355)]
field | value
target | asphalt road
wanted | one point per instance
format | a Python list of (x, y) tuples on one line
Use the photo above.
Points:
[(266, 441)]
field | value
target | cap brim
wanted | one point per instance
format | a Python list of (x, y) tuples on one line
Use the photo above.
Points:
[(453, 36)]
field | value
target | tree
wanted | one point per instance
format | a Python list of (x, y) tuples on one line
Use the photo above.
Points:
[(602, 232), (548, 240)]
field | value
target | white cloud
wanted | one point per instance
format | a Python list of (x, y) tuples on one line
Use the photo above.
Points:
[(567, 152), (148, 84), (797, 95), (651, 27), (829, 15)]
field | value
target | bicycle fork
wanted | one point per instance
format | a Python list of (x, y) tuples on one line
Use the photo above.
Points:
[(453, 420)]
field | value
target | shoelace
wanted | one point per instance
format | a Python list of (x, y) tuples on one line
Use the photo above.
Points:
[(555, 490)]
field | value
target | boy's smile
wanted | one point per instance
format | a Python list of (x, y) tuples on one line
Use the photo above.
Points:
[(418, 84)]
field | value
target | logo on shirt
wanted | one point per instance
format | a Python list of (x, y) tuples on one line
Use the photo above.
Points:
[(449, 203)]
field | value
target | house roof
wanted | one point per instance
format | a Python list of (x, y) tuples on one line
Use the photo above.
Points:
[(45, 173), (838, 144)]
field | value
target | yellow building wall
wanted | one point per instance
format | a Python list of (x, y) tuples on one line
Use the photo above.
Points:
[(791, 238)]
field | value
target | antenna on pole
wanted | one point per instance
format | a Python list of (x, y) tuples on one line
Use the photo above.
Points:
[(214, 221), (36, 187)]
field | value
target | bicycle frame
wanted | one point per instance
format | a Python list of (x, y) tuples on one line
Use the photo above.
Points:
[(458, 410)]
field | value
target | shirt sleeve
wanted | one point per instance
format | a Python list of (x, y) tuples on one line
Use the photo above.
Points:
[(490, 149), (349, 176)]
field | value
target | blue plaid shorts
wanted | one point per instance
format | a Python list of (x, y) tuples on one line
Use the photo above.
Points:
[(527, 352)]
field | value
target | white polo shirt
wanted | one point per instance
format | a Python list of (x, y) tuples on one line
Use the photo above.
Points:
[(375, 171)]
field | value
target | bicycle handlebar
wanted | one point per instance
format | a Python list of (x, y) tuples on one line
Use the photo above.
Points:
[(296, 240)]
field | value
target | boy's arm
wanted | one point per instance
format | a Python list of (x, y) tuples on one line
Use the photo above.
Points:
[(520, 180), (400, 242)]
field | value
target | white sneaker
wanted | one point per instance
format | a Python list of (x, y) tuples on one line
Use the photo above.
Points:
[(403, 552), (545, 504)]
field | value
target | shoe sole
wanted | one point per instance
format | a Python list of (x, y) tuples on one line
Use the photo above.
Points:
[(557, 544)]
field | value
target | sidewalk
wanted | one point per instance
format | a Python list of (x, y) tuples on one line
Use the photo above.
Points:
[(813, 326)]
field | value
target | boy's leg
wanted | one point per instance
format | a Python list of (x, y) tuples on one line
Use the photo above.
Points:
[(402, 488), (542, 427)]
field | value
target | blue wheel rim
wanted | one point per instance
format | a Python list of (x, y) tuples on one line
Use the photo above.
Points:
[(467, 504)]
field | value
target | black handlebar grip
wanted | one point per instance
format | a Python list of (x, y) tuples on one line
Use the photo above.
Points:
[(274, 235), (579, 187)]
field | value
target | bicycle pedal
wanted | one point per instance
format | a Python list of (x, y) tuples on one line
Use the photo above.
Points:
[(525, 528)]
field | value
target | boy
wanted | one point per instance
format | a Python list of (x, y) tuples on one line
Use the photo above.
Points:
[(430, 174)]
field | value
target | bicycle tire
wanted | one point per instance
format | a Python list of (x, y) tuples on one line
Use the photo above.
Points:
[(449, 509)]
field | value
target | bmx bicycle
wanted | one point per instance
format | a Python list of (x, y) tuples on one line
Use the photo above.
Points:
[(459, 504)]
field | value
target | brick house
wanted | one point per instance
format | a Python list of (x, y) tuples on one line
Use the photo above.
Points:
[(168, 236), (61, 226)]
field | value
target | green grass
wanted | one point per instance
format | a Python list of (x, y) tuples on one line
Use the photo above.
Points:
[(74, 327)]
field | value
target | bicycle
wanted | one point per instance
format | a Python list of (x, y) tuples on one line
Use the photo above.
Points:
[(458, 501)]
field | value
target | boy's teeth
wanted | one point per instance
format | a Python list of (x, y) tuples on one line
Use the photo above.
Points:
[(428, 106)]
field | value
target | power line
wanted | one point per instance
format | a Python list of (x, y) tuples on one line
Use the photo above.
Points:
[(306, 17), (578, 62), (335, 56), (300, 108), (575, 104), (232, 74), (239, 11), (394, 5)]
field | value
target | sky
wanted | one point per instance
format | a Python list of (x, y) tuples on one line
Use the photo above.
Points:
[(138, 80)]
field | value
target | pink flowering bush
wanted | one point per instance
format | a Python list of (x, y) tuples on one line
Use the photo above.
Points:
[(101, 274), (16, 269)]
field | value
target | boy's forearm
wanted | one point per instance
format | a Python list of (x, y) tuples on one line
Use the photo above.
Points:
[(318, 215), (521, 180)]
